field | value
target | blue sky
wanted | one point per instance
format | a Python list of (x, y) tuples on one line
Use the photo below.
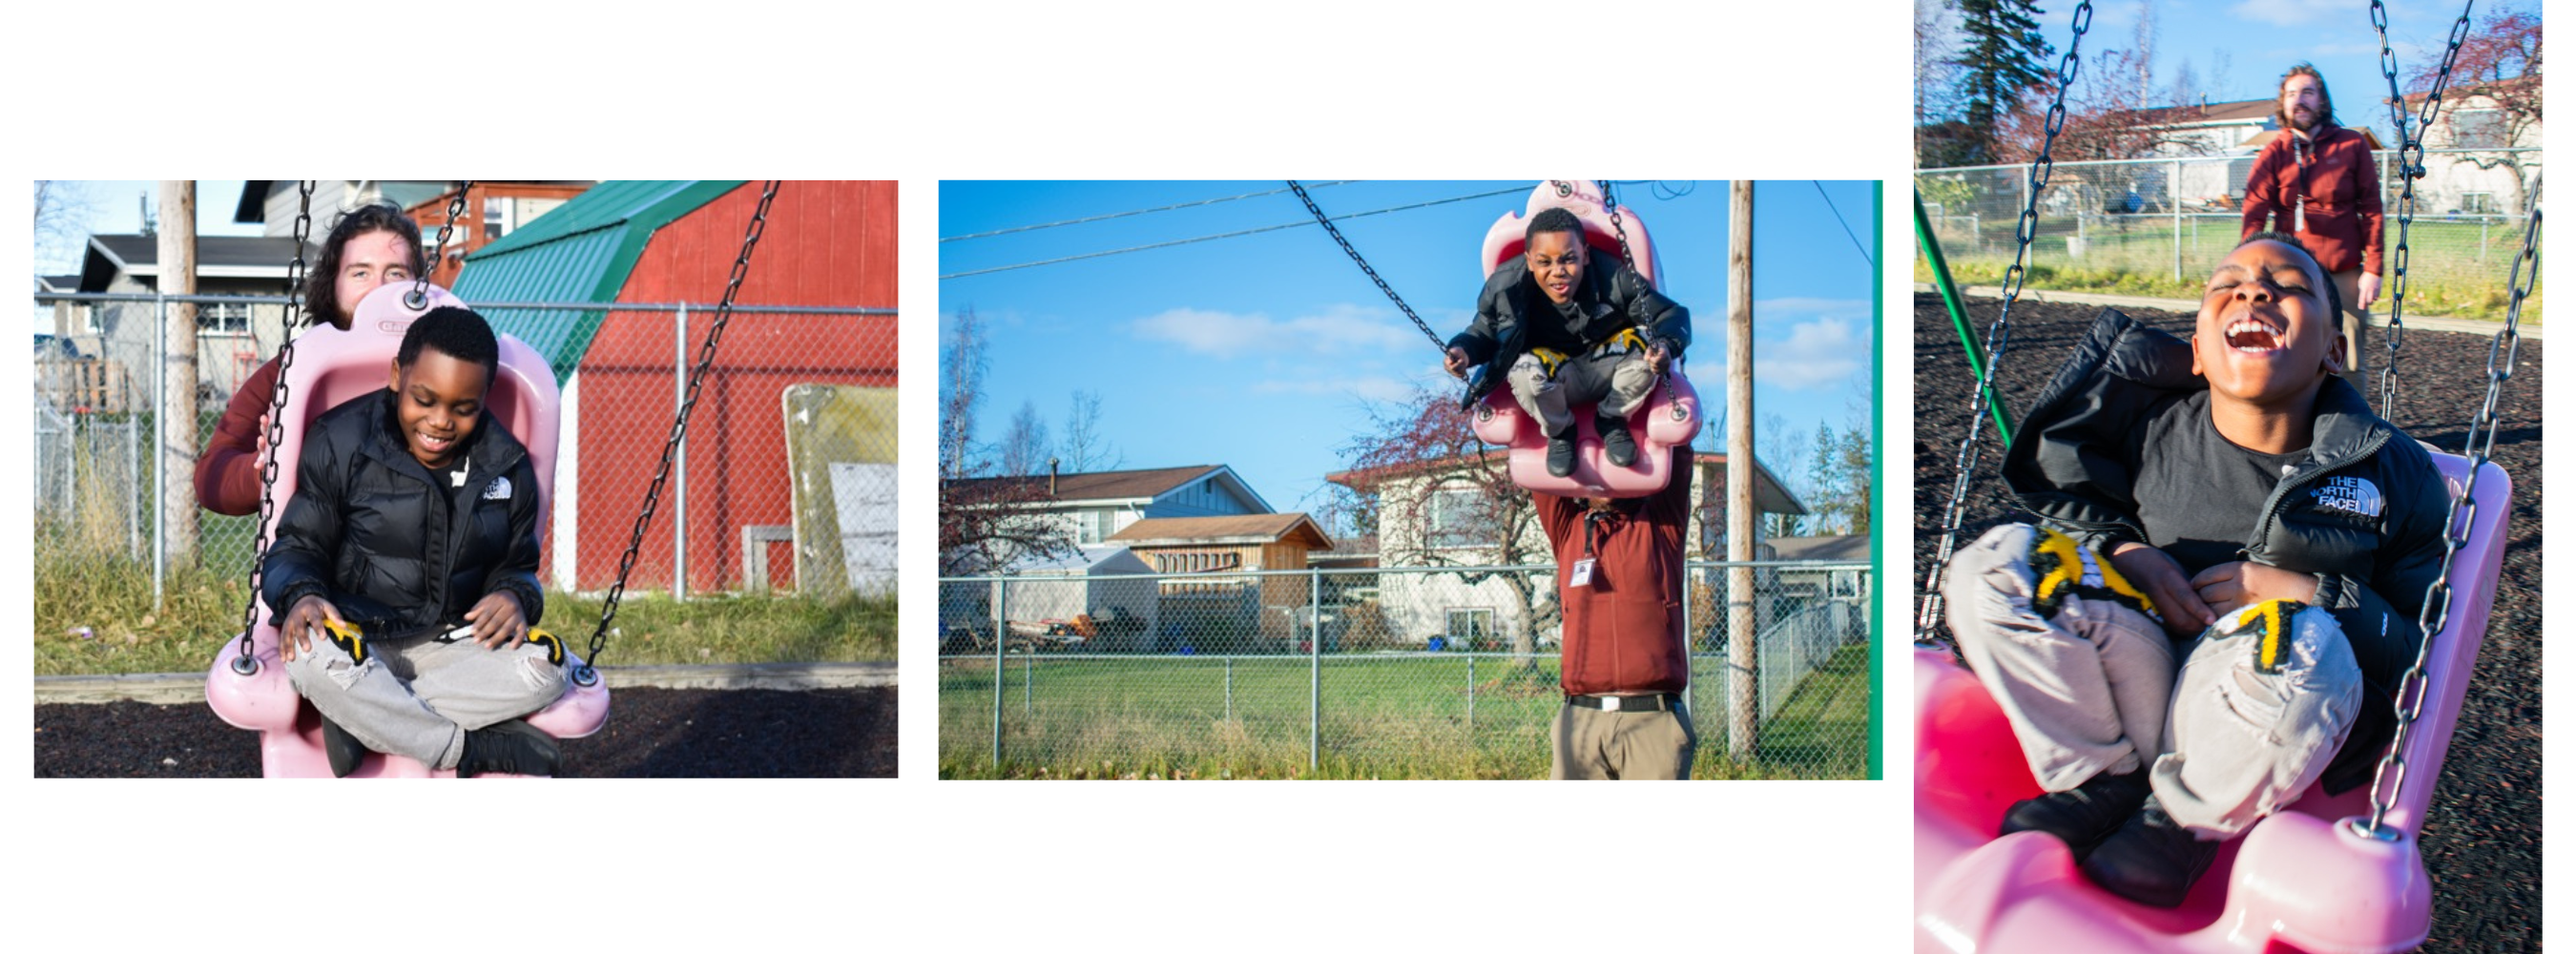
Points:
[(111, 208), (1263, 351), (2254, 41)]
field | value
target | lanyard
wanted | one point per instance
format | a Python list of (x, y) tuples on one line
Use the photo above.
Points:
[(2299, 152)]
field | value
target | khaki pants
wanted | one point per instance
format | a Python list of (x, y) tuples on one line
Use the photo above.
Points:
[(1594, 745), (2356, 333)]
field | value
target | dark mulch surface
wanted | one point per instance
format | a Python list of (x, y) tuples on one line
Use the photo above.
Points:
[(2482, 838), (651, 733)]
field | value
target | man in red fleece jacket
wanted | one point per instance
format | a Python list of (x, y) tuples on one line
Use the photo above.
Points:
[(1626, 661), (2317, 181)]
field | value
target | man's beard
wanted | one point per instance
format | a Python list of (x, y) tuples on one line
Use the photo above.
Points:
[(2304, 119)]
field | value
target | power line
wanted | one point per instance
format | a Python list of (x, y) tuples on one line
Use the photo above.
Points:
[(1235, 234), (1121, 215), (1847, 229)]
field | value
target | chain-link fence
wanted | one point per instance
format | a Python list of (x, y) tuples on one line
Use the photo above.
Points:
[(786, 482), (1394, 672), (2158, 226)]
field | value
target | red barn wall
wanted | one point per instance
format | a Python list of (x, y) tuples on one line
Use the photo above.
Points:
[(828, 244)]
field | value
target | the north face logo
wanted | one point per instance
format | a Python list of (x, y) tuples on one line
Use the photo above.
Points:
[(499, 490), (2351, 495)]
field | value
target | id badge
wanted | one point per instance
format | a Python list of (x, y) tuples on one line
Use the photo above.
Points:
[(1581, 574), (2302, 217)]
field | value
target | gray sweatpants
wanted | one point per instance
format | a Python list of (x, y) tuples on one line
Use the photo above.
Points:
[(418, 696), (2092, 687), (1614, 374)]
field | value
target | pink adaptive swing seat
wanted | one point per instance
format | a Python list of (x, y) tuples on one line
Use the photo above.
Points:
[(2300, 880), (1670, 416), (331, 367)]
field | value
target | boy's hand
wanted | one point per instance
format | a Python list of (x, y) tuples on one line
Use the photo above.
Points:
[(2228, 586), (1658, 359), (303, 622), (498, 624), (2155, 573), (1456, 363)]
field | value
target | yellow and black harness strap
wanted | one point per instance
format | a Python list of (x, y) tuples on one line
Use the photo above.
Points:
[(1548, 359), (2269, 622), (1627, 340), (348, 638), (553, 644), (2066, 568)]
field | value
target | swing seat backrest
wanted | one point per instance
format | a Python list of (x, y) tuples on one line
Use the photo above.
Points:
[(1670, 416), (2297, 880), (332, 367)]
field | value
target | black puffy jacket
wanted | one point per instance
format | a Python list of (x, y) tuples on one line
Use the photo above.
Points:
[(1613, 298), (394, 548), (2069, 463)]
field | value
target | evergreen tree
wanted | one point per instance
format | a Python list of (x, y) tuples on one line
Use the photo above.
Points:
[(2004, 55)]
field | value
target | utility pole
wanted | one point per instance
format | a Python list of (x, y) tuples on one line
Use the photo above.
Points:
[(1743, 704), (177, 234)]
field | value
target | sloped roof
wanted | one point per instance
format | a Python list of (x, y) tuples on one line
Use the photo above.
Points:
[(582, 251), (1257, 528), (1115, 484), (231, 256), (1830, 547)]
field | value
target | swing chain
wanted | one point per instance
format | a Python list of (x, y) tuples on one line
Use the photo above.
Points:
[(1327, 223), (2389, 778), (679, 430), (243, 662), (2410, 167), (1611, 205), (1927, 620), (419, 296)]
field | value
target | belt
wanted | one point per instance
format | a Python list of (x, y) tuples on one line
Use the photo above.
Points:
[(1659, 702)]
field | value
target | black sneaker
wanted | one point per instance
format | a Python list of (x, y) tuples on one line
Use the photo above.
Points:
[(344, 750), (2084, 815), (1560, 454), (513, 748), (2151, 860), (1620, 448)]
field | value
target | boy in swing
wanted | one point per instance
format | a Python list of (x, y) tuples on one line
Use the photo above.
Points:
[(1571, 326), (405, 567), (2226, 503)]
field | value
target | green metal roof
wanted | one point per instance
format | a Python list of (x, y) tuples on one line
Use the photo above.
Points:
[(581, 251)]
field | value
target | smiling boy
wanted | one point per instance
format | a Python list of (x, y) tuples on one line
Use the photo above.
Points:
[(2227, 500), (406, 564), (1569, 326)]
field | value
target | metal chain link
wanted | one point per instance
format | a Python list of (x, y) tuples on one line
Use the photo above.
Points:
[(419, 295), (1327, 223), (679, 430), (1927, 620), (1611, 205), (2389, 779), (2410, 167), (243, 662)]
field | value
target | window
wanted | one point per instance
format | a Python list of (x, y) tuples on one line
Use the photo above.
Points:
[(223, 318), (1459, 518), (2478, 203), (496, 218), (2479, 129), (1471, 629)]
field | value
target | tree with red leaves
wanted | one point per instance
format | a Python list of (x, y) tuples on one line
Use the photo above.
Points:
[(2496, 76)]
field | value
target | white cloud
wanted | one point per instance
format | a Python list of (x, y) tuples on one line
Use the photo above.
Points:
[(1339, 329), (1828, 342)]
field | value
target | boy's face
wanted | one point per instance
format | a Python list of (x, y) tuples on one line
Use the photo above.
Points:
[(1556, 259), (2265, 332), (438, 401)]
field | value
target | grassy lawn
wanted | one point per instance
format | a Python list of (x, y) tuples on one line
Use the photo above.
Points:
[(112, 599), (1384, 717), (2453, 270)]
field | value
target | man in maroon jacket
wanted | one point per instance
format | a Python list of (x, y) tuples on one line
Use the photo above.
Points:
[(1626, 663), (2318, 180)]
